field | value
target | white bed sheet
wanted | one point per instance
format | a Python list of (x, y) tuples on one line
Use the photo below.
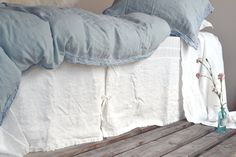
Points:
[(94, 102)]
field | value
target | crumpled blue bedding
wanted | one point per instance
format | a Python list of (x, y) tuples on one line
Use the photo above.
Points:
[(47, 36)]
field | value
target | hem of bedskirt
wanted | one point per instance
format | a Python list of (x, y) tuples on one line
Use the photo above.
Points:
[(68, 143), (136, 125)]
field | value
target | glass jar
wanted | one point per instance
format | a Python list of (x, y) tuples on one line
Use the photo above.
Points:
[(222, 120)]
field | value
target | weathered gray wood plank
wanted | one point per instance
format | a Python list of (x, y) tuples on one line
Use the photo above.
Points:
[(225, 149), (133, 142), (169, 143), (74, 150), (199, 146)]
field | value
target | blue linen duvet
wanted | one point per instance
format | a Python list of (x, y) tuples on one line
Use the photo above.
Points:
[(47, 36)]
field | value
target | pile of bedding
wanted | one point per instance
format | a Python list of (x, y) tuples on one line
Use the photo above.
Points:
[(47, 36)]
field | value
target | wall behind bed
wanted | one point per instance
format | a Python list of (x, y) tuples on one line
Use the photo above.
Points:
[(96, 6)]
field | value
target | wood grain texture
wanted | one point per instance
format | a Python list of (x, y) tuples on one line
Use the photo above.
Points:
[(199, 146), (225, 149), (72, 151), (136, 141), (180, 139), (169, 143)]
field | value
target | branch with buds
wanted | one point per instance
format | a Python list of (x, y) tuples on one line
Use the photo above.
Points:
[(206, 64)]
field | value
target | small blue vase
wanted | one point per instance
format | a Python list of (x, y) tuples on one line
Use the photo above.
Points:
[(222, 120)]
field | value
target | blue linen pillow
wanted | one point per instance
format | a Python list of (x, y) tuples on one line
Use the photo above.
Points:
[(183, 16), (25, 38)]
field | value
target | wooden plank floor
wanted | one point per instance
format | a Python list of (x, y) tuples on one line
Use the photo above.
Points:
[(179, 139)]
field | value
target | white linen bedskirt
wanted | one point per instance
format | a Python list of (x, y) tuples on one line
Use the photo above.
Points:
[(76, 104)]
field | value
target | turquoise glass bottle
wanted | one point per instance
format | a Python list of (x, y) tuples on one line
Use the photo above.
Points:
[(222, 120)]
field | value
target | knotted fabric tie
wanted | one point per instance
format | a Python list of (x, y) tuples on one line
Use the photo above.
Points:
[(105, 100)]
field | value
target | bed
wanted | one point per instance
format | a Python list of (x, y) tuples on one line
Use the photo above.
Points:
[(77, 103), (108, 101)]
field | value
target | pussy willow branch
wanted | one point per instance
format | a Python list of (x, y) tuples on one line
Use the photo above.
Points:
[(211, 78), (208, 64), (209, 71), (221, 91)]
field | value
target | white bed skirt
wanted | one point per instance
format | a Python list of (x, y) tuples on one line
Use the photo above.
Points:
[(75, 104)]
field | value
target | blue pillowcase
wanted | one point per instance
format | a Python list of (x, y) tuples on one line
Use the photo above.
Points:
[(183, 16)]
